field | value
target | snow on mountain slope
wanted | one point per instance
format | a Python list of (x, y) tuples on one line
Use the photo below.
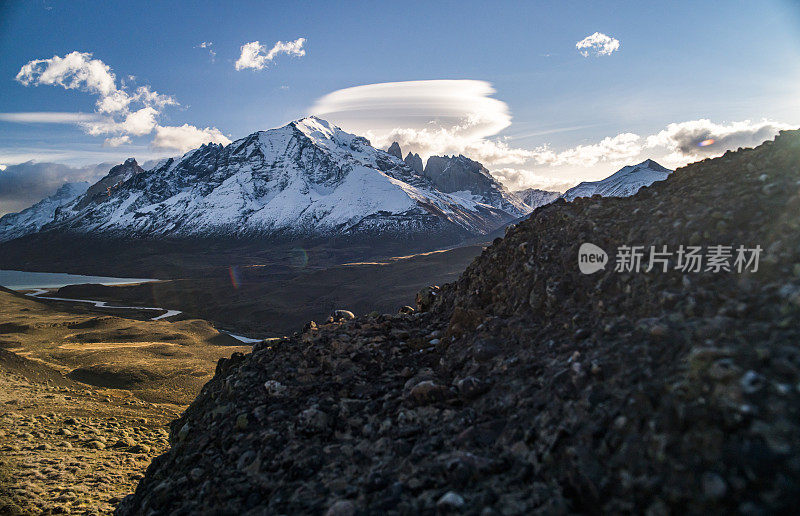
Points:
[(535, 197), (30, 220), (623, 183), (308, 178)]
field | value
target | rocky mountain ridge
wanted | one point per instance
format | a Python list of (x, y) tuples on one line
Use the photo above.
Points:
[(527, 386), (535, 197), (32, 219), (466, 178), (102, 189)]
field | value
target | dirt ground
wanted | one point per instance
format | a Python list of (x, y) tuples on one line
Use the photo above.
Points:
[(85, 400)]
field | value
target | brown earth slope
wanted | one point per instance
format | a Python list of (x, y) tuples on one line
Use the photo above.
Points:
[(158, 360), (85, 400), (529, 387)]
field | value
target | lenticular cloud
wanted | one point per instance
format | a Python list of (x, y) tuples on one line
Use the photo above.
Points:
[(433, 116)]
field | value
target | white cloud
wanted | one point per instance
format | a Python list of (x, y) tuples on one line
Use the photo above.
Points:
[(121, 112), (187, 137), (255, 55), (114, 114), (47, 117), (702, 138), (114, 102), (621, 147), (141, 122), (598, 44), (117, 141), (74, 71), (136, 123), (207, 45), (518, 179)]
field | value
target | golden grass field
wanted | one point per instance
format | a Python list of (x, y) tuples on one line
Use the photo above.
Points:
[(85, 400)]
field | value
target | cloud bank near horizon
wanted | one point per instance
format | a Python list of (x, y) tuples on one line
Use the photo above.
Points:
[(436, 117), (25, 184)]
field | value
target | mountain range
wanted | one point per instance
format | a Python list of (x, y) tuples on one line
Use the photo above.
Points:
[(308, 179)]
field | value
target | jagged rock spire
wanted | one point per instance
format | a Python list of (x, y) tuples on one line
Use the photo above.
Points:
[(395, 151), (415, 162)]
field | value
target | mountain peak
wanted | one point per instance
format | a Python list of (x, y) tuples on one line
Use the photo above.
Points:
[(315, 126), (415, 162), (622, 183), (652, 165), (395, 151)]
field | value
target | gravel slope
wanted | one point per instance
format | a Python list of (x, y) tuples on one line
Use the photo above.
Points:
[(527, 386)]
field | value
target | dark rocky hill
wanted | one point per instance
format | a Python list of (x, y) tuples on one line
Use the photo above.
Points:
[(527, 386)]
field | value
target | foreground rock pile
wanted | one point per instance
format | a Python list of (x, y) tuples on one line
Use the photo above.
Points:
[(527, 386)]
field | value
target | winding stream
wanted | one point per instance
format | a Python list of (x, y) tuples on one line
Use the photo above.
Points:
[(102, 304), (38, 284)]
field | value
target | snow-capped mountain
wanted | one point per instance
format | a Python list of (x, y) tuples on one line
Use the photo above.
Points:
[(308, 178), (623, 183), (465, 178), (31, 220), (535, 197)]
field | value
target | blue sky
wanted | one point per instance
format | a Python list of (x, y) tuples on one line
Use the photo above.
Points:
[(727, 71)]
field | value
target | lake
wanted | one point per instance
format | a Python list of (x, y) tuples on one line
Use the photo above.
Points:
[(21, 280)]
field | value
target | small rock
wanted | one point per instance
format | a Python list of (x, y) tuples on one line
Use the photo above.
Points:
[(450, 501), (714, 486), (342, 315), (428, 392), (241, 422), (342, 508), (314, 420), (183, 433), (752, 382), (470, 387), (274, 388)]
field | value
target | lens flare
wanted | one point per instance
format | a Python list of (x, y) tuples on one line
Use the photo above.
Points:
[(234, 274), (298, 257), (706, 143)]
